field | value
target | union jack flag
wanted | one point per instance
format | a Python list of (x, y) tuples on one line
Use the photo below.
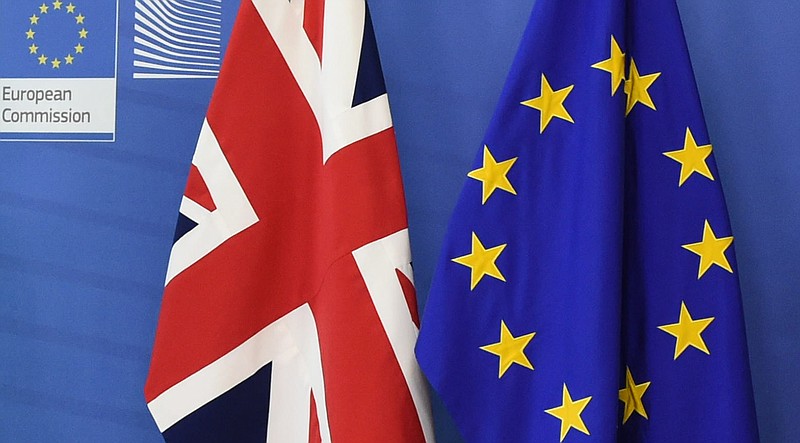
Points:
[(289, 313)]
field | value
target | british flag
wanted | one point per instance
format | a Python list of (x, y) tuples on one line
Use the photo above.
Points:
[(289, 313)]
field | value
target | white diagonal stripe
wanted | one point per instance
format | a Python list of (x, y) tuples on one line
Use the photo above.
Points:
[(328, 88), (291, 344), (377, 262)]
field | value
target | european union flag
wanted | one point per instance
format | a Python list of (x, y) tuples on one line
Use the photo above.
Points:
[(587, 289), (58, 39)]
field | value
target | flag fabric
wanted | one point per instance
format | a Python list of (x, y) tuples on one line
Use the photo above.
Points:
[(289, 313), (587, 289)]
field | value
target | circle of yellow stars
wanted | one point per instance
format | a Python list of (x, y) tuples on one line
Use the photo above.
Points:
[(711, 250), (82, 34)]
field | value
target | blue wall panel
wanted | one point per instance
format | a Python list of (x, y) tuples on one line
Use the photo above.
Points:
[(85, 228)]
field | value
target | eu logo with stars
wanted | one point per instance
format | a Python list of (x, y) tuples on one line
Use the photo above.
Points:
[(58, 39), (58, 71)]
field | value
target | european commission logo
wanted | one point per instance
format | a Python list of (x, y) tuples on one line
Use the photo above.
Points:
[(58, 70), (177, 39)]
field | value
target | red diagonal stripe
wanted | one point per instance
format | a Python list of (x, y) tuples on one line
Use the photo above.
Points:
[(367, 396), (314, 22), (314, 435), (411, 296), (197, 190)]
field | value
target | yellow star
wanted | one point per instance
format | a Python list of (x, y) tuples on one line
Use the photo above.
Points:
[(30, 33), (481, 261), (83, 33), (510, 349), (34, 19), (79, 19), (69, 58), (692, 158), (57, 4), (631, 395), (43, 9), (56, 63), (687, 332), (570, 413), (33, 48), (42, 59), (614, 65), (636, 87), (550, 104), (71, 8), (711, 251), (493, 175), (79, 49)]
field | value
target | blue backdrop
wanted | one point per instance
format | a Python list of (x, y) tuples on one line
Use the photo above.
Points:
[(85, 228)]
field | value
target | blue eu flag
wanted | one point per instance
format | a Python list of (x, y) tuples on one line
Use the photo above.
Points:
[(58, 39), (587, 289)]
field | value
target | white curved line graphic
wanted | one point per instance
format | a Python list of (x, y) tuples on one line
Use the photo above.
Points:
[(167, 25), (148, 33), (142, 64), (155, 47), (152, 56), (166, 15), (171, 4)]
